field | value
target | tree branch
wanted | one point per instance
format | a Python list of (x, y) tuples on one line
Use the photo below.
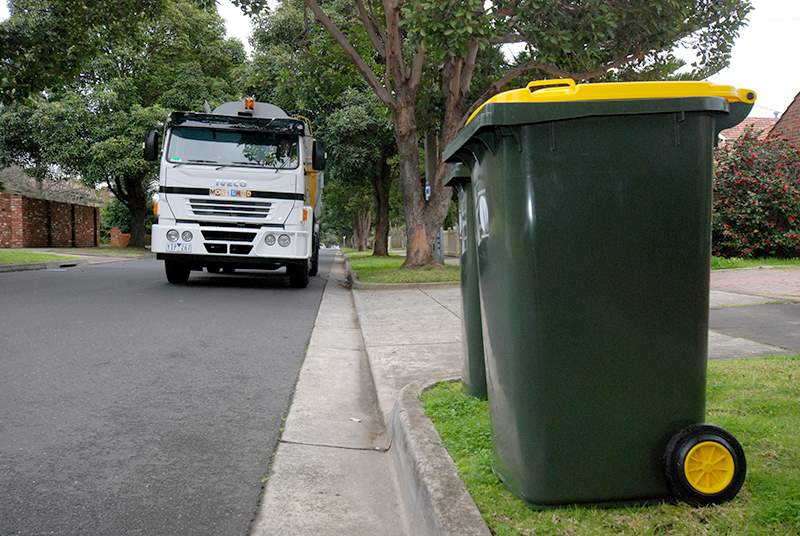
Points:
[(469, 67), (394, 47), (417, 66), (351, 53), (372, 28), (118, 192)]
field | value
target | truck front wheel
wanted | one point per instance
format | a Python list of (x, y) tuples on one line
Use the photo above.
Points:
[(314, 256), (298, 275), (177, 272)]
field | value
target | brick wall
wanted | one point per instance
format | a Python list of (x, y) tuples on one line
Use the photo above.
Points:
[(788, 126), (85, 226), (28, 222), (34, 214)]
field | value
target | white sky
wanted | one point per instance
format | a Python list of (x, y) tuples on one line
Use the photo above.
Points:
[(764, 57)]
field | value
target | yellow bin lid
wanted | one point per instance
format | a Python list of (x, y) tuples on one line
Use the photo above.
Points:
[(565, 89)]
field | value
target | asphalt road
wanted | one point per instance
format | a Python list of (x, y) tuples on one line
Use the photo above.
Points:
[(131, 406), (777, 324)]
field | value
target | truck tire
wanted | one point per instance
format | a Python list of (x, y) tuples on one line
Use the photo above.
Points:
[(177, 272), (314, 257), (298, 275)]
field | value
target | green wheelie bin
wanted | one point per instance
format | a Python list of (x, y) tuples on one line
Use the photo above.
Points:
[(593, 212), (473, 374)]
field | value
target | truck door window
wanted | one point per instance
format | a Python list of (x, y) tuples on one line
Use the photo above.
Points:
[(232, 147)]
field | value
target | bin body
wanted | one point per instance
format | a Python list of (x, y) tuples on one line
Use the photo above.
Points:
[(473, 374), (593, 236)]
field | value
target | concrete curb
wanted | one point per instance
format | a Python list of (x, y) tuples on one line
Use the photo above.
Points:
[(40, 266), (86, 260), (355, 283), (436, 499)]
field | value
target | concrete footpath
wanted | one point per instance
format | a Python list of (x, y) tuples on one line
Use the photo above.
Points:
[(358, 456), (331, 472)]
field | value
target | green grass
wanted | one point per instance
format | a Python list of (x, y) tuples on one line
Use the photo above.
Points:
[(371, 269), (718, 263), (9, 256), (106, 251), (758, 400)]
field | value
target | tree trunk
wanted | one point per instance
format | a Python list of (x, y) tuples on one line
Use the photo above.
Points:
[(362, 220), (419, 251), (136, 200), (381, 186)]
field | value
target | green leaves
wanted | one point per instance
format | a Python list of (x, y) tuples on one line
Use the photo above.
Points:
[(448, 26), (92, 125), (757, 198), (45, 42), (581, 36)]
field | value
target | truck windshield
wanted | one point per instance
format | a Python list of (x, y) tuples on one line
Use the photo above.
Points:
[(232, 147)]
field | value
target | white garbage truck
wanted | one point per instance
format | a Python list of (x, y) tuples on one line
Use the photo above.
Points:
[(240, 187)]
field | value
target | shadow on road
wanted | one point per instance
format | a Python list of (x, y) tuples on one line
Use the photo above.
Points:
[(243, 279)]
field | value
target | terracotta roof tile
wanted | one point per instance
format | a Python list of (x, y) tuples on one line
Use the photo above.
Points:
[(760, 124)]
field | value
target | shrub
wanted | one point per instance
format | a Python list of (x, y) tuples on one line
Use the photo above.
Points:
[(116, 214), (756, 198)]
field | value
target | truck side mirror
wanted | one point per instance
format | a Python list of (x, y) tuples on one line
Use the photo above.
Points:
[(318, 158), (151, 145)]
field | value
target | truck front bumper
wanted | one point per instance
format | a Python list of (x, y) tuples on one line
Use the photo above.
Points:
[(217, 242)]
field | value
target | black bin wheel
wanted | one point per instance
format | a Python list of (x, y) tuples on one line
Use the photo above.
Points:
[(704, 464)]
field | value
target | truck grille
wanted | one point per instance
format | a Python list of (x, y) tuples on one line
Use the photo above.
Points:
[(231, 208), (228, 236)]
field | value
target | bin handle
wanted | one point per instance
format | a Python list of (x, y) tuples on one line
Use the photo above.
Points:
[(539, 84)]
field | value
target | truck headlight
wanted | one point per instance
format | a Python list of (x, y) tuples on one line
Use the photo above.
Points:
[(270, 239), (186, 236), (173, 235), (284, 240)]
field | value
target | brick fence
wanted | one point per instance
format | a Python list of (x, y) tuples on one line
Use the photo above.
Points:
[(26, 222)]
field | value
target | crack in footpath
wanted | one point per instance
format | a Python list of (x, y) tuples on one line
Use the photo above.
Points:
[(440, 303), (323, 445)]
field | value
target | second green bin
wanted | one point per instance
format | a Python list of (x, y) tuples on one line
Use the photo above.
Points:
[(473, 374), (593, 210)]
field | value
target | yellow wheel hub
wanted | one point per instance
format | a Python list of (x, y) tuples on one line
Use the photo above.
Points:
[(709, 467)]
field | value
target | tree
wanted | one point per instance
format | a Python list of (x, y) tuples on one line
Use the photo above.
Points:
[(286, 70), (362, 147), (583, 40), (93, 127), (45, 42)]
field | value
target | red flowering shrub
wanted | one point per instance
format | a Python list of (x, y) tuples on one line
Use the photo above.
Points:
[(756, 198)]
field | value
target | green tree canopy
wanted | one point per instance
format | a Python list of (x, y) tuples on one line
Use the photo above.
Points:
[(93, 126)]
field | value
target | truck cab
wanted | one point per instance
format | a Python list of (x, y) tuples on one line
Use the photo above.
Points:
[(239, 187)]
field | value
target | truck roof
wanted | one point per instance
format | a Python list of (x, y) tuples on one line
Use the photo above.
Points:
[(263, 110), (281, 125)]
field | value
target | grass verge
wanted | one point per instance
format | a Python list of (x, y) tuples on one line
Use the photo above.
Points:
[(755, 399), (106, 251), (369, 269), (8, 256), (720, 263)]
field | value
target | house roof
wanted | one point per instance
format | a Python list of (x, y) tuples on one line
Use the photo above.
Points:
[(15, 181), (763, 125), (788, 126)]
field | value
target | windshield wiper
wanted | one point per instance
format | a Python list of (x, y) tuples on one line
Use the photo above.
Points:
[(250, 164), (176, 164)]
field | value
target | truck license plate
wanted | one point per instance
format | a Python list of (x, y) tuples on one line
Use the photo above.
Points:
[(179, 247), (228, 192)]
